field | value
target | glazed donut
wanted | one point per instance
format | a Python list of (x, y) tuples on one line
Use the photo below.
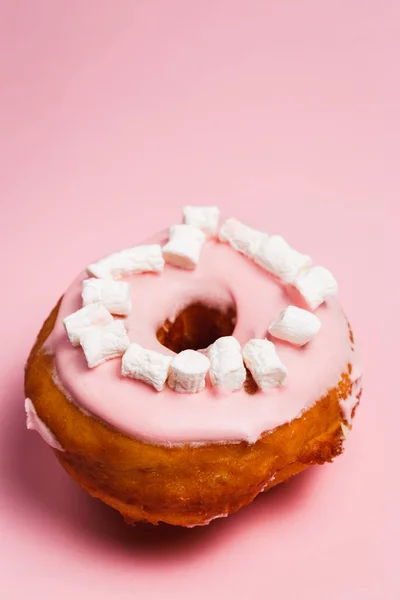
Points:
[(206, 366)]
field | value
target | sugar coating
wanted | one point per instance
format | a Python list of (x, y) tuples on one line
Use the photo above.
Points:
[(295, 325), (241, 237), (263, 362), (88, 316), (184, 246), (139, 259), (104, 343), (115, 295), (316, 285), (188, 372), (203, 217), (226, 363), (275, 255), (146, 365)]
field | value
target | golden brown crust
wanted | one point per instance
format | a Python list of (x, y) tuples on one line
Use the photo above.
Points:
[(182, 485)]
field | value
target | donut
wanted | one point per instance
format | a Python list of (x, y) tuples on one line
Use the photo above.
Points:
[(178, 379)]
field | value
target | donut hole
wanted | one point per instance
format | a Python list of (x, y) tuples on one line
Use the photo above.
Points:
[(197, 326), (250, 386)]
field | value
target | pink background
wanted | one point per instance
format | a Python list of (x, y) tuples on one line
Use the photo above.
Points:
[(114, 114)]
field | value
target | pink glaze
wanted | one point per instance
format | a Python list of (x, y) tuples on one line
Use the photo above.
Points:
[(35, 423), (348, 404), (165, 417)]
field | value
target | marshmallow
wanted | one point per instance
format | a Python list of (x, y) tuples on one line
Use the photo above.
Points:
[(183, 248), (203, 217), (146, 365), (315, 286), (103, 343), (115, 295), (272, 253), (263, 363), (139, 259), (242, 238), (92, 314), (188, 372), (226, 363), (275, 255), (295, 325)]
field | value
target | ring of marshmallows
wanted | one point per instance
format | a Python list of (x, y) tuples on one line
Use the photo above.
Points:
[(105, 294)]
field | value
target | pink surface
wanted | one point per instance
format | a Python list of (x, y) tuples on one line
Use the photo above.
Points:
[(114, 114), (222, 277)]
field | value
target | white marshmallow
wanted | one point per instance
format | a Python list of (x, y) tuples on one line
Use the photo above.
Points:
[(264, 364), (146, 365), (315, 286), (92, 314), (103, 343), (203, 217), (275, 255), (188, 372), (242, 238), (226, 363), (295, 325), (139, 259), (115, 295), (184, 246)]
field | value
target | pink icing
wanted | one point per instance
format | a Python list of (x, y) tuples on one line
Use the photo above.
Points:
[(34, 422), (169, 418), (347, 404)]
